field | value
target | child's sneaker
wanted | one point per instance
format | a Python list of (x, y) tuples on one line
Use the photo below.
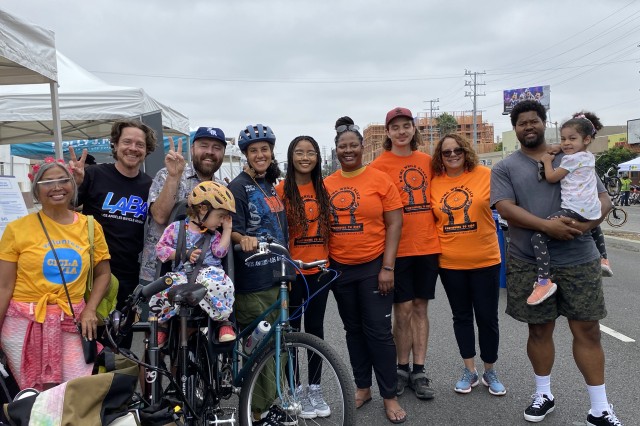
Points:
[(226, 334), (606, 268), (541, 292), (163, 335)]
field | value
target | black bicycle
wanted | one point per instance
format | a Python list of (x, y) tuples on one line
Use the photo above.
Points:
[(203, 372), (611, 181)]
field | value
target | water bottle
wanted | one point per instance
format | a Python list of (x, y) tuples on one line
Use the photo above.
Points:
[(256, 337)]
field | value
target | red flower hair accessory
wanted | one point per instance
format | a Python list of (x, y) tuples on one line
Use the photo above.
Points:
[(36, 167)]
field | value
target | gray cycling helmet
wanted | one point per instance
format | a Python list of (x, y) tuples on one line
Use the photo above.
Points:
[(255, 133)]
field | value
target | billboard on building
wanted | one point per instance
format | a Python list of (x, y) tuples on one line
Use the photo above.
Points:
[(633, 131), (618, 139), (511, 97)]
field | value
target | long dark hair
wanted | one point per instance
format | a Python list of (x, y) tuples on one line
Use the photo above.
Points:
[(293, 203)]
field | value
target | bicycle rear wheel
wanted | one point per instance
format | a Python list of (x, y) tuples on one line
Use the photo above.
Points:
[(613, 186), (617, 217), (199, 389), (298, 349)]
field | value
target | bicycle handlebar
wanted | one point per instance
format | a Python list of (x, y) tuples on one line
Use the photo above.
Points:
[(266, 247)]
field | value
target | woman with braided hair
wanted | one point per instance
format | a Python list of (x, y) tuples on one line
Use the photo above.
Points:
[(306, 203)]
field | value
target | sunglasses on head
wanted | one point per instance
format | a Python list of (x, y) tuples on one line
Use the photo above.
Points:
[(344, 128), (448, 153)]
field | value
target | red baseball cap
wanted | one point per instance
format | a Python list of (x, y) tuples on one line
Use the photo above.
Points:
[(397, 112)]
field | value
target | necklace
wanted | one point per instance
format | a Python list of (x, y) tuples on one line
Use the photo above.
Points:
[(266, 197)]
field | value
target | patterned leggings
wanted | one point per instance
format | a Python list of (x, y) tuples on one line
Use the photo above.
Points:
[(540, 240)]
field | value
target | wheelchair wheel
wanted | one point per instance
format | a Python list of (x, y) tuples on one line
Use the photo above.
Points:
[(305, 359)]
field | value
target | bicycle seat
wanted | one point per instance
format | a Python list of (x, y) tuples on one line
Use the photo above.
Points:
[(191, 294)]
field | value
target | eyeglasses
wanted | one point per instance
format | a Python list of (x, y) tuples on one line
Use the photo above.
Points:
[(344, 128), (450, 152), (54, 182), (541, 175), (302, 154)]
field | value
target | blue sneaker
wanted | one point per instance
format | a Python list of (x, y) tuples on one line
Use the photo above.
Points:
[(469, 380), (490, 380)]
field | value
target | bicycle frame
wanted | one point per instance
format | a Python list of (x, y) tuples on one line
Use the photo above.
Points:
[(276, 332), (239, 374)]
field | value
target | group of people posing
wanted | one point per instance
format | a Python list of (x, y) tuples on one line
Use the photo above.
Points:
[(390, 228)]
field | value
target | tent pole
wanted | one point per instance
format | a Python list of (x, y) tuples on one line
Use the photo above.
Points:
[(57, 130)]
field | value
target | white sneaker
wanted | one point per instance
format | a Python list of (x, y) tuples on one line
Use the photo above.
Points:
[(320, 406), (308, 412)]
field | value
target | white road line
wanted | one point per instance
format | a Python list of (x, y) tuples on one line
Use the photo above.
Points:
[(615, 334)]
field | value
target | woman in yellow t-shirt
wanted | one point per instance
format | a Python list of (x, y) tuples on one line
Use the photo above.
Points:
[(35, 316), (470, 259), (366, 223)]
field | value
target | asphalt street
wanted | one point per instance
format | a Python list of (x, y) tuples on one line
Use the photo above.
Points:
[(622, 293), (621, 342)]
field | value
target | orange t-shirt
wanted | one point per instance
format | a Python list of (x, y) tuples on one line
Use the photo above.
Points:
[(311, 246), (464, 220), (357, 204), (412, 176)]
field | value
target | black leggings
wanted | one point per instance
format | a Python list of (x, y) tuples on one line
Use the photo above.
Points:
[(540, 240), (313, 314)]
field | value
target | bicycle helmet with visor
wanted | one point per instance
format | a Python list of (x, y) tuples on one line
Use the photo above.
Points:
[(255, 133), (213, 194)]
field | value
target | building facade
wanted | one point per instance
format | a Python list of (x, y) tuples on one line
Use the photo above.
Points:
[(374, 134)]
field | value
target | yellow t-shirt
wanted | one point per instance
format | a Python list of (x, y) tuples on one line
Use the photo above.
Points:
[(464, 220), (38, 277)]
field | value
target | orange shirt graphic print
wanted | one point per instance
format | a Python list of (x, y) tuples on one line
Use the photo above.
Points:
[(456, 203), (343, 206), (414, 184)]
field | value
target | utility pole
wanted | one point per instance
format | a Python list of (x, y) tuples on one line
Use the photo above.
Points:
[(431, 109), (474, 83)]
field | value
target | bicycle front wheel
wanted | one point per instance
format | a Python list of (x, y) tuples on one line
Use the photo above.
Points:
[(617, 217), (319, 377)]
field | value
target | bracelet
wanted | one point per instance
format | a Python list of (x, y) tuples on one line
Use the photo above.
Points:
[(388, 268)]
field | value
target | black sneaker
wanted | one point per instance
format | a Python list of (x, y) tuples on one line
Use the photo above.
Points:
[(277, 417), (608, 418), (539, 408), (403, 381), (420, 385)]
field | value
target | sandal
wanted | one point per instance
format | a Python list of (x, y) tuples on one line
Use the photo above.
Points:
[(361, 401), (395, 416)]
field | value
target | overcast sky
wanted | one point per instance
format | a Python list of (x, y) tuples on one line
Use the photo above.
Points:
[(298, 65)]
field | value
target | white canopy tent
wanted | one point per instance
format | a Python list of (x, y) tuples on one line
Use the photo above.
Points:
[(28, 56), (630, 166), (88, 107)]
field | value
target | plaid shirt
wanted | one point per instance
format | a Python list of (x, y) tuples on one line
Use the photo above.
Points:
[(188, 181)]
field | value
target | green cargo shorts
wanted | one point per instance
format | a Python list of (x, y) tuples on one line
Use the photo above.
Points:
[(579, 295)]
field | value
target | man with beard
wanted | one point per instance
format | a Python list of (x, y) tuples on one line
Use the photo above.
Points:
[(116, 195), (175, 181), (522, 196)]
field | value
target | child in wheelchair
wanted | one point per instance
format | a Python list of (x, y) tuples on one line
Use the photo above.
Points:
[(196, 248)]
